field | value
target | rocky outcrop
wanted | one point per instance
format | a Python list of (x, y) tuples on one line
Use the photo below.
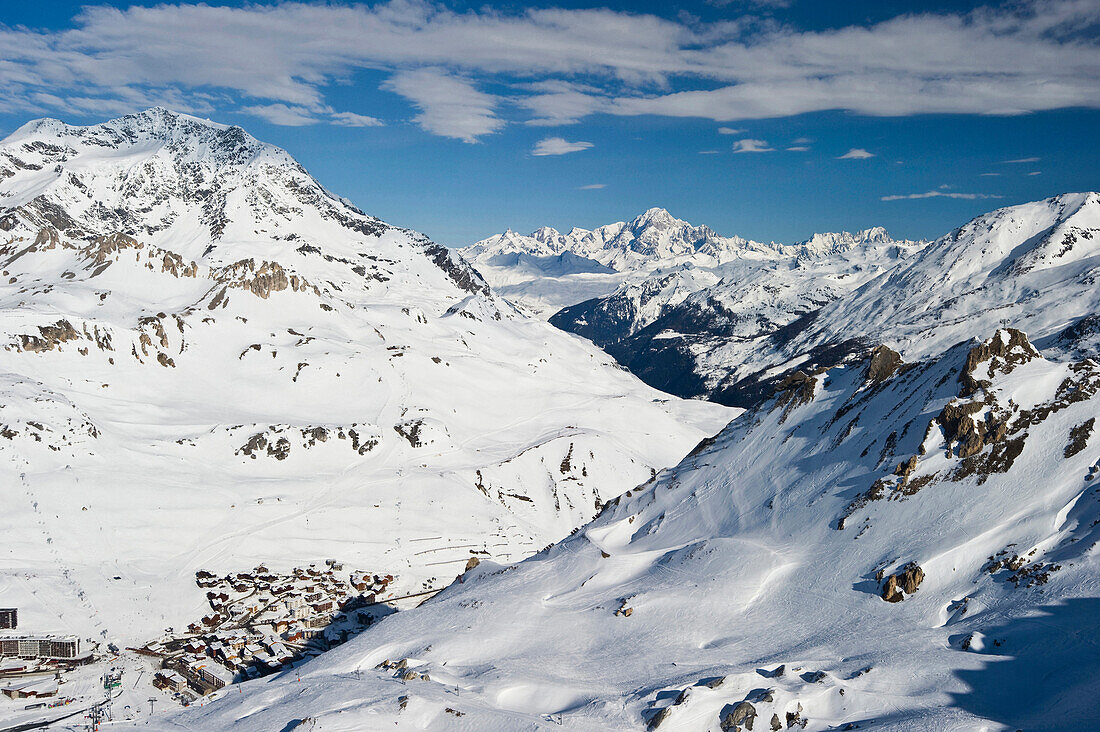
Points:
[(883, 364), (742, 715), (906, 582), (1079, 437), (1002, 353), (50, 337)]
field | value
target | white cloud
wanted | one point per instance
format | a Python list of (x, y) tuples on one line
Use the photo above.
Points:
[(1021, 160), (282, 114), (708, 152), (988, 175), (801, 141), (351, 119), (1020, 57), (749, 145), (856, 153), (1035, 172), (940, 194), (558, 146), (561, 103), (730, 131), (797, 148), (449, 106), (592, 187)]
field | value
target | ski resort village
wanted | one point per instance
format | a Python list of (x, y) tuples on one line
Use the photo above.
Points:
[(708, 366)]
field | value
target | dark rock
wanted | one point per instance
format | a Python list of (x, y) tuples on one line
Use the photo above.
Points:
[(742, 714), (657, 719), (884, 363)]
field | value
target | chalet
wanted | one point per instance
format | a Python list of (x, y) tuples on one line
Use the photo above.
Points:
[(37, 688), (322, 606), (10, 666), (170, 680), (206, 579)]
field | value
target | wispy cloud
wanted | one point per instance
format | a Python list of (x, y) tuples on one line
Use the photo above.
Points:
[(988, 175), (797, 148), (749, 145), (730, 131), (1009, 59), (282, 114), (592, 187), (940, 194), (351, 119), (1036, 172), (558, 146), (449, 106), (708, 152), (1021, 160), (856, 153)]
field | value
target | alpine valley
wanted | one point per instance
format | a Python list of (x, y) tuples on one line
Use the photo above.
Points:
[(866, 495)]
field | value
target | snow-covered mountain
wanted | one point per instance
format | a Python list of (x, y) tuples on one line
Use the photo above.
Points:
[(664, 326), (209, 362), (885, 540), (881, 545), (600, 259), (721, 333)]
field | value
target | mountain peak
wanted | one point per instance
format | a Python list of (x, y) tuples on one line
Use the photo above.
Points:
[(654, 217), (182, 134)]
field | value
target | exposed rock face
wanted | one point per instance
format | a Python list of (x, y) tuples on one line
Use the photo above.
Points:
[(883, 364), (50, 337), (659, 718), (1079, 437), (795, 390), (742, 715), (1006, 350), (907, 581)]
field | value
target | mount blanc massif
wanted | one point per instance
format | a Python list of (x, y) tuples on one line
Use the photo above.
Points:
[(678, 304), (211, 362)]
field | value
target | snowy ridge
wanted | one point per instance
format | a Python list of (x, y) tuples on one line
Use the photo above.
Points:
[(207, 361), (866, 548), (1032, 265), (650, 246)]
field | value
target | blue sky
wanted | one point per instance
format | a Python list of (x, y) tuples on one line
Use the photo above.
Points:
[(771, 119)]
